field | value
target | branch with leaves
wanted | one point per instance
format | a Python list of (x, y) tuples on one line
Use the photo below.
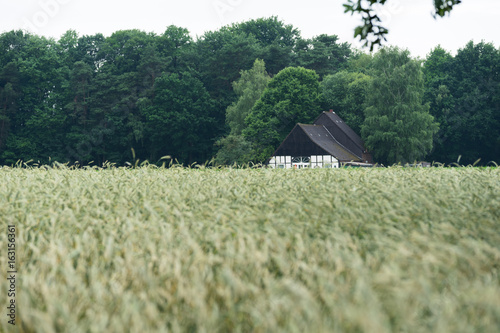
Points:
[(372, 24)]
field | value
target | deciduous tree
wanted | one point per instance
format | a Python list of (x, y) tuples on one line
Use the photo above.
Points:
[(249, 87), (275, 39), (345, 92), (292, 96), (398, 126), (180, 119), (323, 54)]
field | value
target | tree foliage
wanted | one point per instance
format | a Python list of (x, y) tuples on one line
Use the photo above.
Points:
[(292, 96), (463, 92), (345, 92), (233, 149), (92, 98), (372, 31), (322, 53), (398, 126), (275, 40), (180, 118), (249, 87)]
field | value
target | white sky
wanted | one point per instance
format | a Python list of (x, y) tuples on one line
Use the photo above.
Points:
[(410, 22)]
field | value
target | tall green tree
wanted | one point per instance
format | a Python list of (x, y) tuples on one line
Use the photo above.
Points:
[(12, 44), (37, 124), (440, 85), (476, 68), (109, 133), (464, 94), (322, 54), (398, 126), (123, 50), (175, 46), (292, 96), (89, 50), (218, 57), (80, 78), (129, 64), (345, 92), (249, 87), (151, 66), (9, 91), (180, 119), (276, 40)]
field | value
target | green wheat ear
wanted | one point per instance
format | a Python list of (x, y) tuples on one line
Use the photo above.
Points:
[(214, 249)]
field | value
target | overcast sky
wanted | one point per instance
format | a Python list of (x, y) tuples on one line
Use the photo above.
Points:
[(410, 22)]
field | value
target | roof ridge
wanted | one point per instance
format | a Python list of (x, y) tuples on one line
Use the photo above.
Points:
[(342, 129), (344, 147), (322, 139), (335, 141)]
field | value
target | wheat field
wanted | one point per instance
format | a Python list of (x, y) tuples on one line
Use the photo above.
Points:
[(252, 250)]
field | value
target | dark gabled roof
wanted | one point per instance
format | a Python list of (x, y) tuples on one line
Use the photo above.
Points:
[(306, 140), (343, 134), (298, 143), (323, 138)]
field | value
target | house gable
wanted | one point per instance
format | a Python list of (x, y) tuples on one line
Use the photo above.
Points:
[(309, 140), (327, 142), (299, 143)]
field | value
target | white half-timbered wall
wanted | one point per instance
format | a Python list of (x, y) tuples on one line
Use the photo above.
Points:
[(300, 162)]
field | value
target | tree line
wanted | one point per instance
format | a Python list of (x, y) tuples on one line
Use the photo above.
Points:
[(235, 93)]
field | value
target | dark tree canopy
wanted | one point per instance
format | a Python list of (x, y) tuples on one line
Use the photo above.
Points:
[(323, 53), (463, 92), (93, 98)]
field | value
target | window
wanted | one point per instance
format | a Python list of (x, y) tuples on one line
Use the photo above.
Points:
[(301, 162), (301, 159)]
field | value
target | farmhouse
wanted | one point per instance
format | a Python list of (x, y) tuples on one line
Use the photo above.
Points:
[(328, 143)]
